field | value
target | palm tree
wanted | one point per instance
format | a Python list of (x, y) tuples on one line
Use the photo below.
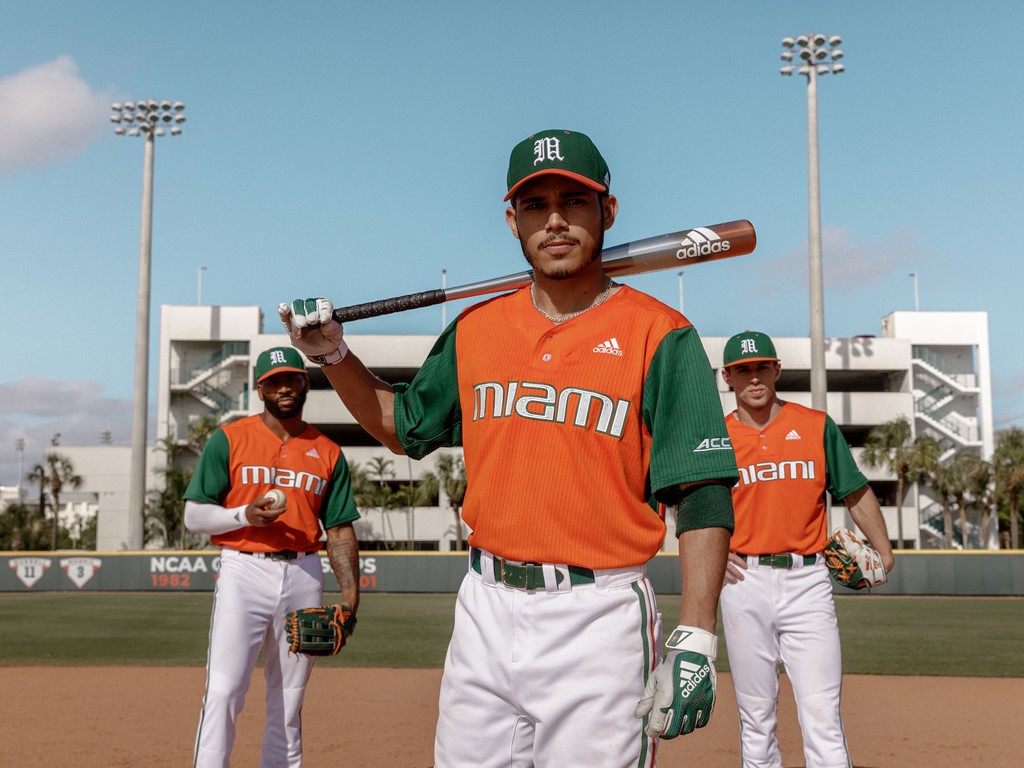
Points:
[(958, 476), (943, 482), (924, 458), (426, 491), (886, 446), (61, 474), (451, 472), (982, 489), (379, 491), (201, 430), (164, 510), (362, 488), (22, 528), (163, 514), (423, 492), (39, 475), (1008, 466)]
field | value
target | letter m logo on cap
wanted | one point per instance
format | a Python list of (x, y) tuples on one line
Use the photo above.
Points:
[(547, 149)]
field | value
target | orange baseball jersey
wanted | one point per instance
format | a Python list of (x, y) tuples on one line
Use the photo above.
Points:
[(569, 429), (244, 459), (785, 469)]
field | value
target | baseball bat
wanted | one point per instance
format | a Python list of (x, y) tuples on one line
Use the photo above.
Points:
[(676, 249)]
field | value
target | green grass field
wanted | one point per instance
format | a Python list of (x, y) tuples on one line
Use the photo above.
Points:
[(976, 637)]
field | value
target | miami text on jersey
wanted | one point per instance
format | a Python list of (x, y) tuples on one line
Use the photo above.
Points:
[(542, 402), (285, 478), (770, 470)]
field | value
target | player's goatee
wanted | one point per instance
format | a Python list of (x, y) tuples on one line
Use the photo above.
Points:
[(560, 271), (289, 412)]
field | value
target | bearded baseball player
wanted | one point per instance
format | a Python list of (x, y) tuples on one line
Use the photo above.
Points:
[(578, 402), (269, 564), (777, 604)]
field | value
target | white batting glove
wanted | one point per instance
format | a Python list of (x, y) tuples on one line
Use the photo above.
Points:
[(680, 693), (312, 330)]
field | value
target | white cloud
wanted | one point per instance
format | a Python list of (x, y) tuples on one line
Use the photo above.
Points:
[(849, 265), (48, 114), (47, 398), (36, 410)]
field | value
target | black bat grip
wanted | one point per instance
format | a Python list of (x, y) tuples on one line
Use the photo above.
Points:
[(389, 306)]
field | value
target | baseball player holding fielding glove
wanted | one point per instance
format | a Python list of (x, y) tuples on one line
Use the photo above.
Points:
[(265, 489), (577, 401), (852, 563), (777, 602), (319, 631)]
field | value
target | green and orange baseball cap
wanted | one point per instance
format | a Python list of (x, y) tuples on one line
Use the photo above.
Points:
[(565, 153), (279, 360), (749, 347)]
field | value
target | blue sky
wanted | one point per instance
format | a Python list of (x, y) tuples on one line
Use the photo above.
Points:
[(355, 150)]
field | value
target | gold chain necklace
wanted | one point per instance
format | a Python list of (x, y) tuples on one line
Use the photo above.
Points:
[(600, 300)]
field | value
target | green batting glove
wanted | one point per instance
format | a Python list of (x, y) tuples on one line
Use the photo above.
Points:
[(680, 693), (312, 329)]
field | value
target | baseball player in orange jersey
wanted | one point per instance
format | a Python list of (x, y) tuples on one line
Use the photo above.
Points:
[(578, 402), (777, 602), (269, 564)]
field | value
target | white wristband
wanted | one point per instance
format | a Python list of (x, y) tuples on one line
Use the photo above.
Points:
[(333, 358), (684, 638)]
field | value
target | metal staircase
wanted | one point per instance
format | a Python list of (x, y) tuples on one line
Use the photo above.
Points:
[(935, 399), (928, 360), (934, 527), (217, 400), (952, 432), (935, 394), (230, 353), (200, 380)]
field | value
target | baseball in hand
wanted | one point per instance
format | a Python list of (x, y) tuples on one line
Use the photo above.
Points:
[(276, 498)]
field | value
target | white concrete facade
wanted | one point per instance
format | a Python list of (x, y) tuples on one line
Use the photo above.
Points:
[(104, 472), (951, 383), (207, 356)]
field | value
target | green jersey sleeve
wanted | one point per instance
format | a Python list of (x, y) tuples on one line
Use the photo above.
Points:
[(428, 414), (683, 412), (339, 505), (211, 480), (843, 477)]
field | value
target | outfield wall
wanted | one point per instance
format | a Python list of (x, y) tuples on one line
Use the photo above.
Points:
[(997, 573)]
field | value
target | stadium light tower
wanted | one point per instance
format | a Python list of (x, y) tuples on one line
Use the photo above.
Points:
[(148, 118), (19, 446), (818, 54)]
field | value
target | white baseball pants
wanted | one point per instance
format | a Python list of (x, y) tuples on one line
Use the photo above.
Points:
[(252, 598), (785, 615), (548, 678)]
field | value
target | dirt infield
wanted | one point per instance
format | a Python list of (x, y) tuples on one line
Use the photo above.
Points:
[(382, 718)]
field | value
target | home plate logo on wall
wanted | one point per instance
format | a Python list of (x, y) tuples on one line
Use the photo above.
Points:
[(80, 569), (29, 569)]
